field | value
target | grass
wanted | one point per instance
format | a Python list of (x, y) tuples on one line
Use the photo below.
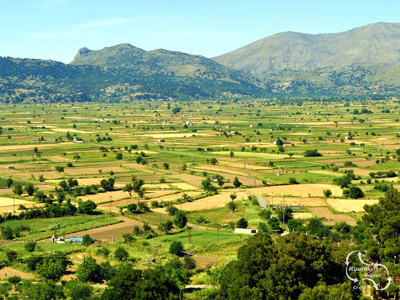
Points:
[(43, 228), (200, 238)]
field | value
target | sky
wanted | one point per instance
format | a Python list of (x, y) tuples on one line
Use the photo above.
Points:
[(56, 29)]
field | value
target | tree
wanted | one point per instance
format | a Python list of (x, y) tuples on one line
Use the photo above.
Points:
[(220, 180), (87, 240), (108, 184), (121, 254), (89, 270), (30, 189), (119, 155), (137, 185), (343, 181), (7, 233), (327, 292), (75, 290), (213, 161), (86, 207), (128, 188), (177, 272), (327, 193), (59, 169), (166, 226), (131, 207), (47, 290), (279, 142), (312, 153), (236, 182), (64, 185), (72, 183), (180, 219), (355, 192), (233, 196), (242, 223), (207, 186), (9, 182), (166, 166), (383, 235), (172, 210), (176, 248), (232, 206), (51, 269), (287, 212), (175, 110), (14, 280), (30, 246), (18, 190), (282, 270), (137, 284), (293, 181)]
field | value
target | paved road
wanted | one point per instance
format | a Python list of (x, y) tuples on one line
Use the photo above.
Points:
[(261, 200)]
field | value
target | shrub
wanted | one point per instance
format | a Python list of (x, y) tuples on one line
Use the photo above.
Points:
[(176, 248), (121, 254), (30, 246), (242, 223), (312, 153), (87, 240), (102, 251)]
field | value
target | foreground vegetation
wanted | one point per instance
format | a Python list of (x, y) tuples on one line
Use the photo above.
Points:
[(173, 180)]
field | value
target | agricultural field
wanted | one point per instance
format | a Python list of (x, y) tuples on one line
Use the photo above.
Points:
[(216, 161)]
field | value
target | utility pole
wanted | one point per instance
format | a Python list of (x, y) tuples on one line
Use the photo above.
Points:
[(189, 239), (109, 220), (283, 215), (219, 227)]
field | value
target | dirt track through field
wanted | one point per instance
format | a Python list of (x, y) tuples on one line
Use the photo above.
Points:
[(332, 219), (114, 231)]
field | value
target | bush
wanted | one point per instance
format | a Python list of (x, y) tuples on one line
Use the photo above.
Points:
[(355, 192), (132, 207), (7, 233), (102, 251), (30, 246), (176, 248), (87, 207), (172, 210), (14, 280), (232, 206), (155, 204), (87, 240), (121, 254), (293, 181), (312, 153), (327, 193), (242, 223)]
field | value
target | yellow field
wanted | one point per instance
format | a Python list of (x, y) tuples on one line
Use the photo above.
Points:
[(28, 147), (305, 215), (350, 205), (295, 201), (300, 190), (179, 185), (215, 201)]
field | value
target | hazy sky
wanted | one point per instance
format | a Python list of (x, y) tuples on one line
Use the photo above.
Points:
[(56, 29)]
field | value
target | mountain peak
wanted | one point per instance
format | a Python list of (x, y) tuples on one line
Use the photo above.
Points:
[(106, 56), (377, 43)]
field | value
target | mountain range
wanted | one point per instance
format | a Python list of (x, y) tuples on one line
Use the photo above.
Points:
[(361, 61)]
